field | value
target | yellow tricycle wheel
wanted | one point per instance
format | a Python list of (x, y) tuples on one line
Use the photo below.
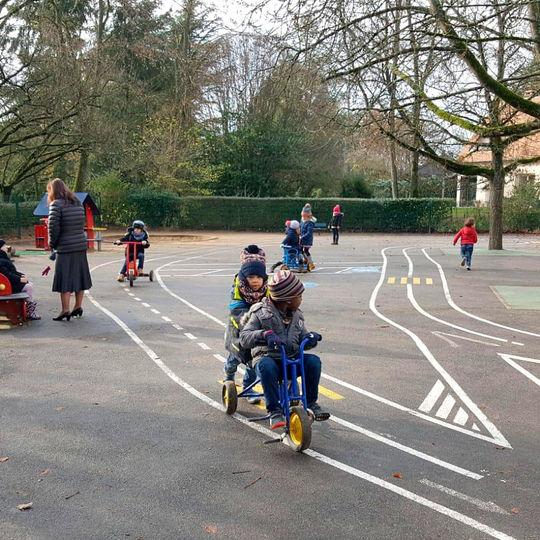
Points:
[(299, 433)]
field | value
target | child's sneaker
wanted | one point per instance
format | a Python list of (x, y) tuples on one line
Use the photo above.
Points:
[(463, 261), (120, 278), (319, 414), (468, 267), (277, 420)]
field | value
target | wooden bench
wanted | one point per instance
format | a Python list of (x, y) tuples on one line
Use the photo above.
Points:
[(12, 305), (319, 227)]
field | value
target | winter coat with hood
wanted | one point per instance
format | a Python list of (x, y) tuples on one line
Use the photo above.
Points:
[(131, 237), (306, 231), (291, 238)]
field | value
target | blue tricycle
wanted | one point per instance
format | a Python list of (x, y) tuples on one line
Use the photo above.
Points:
[(292, 259), (292, 398)]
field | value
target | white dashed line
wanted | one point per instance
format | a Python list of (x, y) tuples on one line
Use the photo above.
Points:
[(145, 304), (220, 358), (136, 298), (190, 336), (177, 326), (154, 310), (166, 318), (131, 294), (518, 343), (203, 346)]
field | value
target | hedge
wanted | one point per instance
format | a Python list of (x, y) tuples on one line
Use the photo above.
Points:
[(10, 221), (269, 214)]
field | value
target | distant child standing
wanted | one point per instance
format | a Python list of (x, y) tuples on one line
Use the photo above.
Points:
[(335, 224), (306, 235), (468, 239)]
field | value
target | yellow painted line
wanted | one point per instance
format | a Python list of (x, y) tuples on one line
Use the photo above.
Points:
[(403, 281), (416, 281), (429, 281), (329, 394), (391, 280)]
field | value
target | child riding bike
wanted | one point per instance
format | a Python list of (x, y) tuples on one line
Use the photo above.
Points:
[(135, 233)]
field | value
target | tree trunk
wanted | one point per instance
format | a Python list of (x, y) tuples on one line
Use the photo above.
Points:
[(414, 175), (496, 190), (393, 170), (82, 172), (6, 193)]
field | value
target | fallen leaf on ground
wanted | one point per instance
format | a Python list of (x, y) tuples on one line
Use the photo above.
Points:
[(499, 448), (210, 529), (515, 510), (58, 408), (72, 495), (25, 506), (3, 459), (398, 475), (44, 472)]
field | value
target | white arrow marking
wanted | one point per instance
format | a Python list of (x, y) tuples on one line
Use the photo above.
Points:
[(441, 334), (508, 358)]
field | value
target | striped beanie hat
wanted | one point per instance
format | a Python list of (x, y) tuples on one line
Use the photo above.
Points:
[(284, 285)]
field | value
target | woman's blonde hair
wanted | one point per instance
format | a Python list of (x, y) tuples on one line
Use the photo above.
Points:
[(57, 189), (469, 222)]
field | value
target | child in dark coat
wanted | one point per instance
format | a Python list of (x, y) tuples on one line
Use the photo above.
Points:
[(306, 235), (19, 281), (135, 233), (249, 287)]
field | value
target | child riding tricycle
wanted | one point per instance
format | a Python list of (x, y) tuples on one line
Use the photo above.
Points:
[(136, 241)]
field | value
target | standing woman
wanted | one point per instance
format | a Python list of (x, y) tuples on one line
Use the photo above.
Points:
[(66, 237)]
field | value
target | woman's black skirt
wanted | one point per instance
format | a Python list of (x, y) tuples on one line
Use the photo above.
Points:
[(71, 273)]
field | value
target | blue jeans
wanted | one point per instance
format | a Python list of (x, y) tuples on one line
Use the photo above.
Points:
[(466, 253), (140, 263), (269, 371), (231, 365)]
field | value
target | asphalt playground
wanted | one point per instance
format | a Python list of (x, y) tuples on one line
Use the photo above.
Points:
[(112, 425)]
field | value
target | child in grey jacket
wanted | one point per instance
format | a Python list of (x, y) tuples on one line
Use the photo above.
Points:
[(277, 321)]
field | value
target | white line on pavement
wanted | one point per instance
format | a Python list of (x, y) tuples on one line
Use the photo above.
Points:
[(137, 298), (453, 305), (488, 506), (203, 346), (498, 437), (166, 319), (462, 518), (154, 310), (509, 358), (189, 336), (177, 326), (446, 407), (432, 397), (145, 304), (442, 334)]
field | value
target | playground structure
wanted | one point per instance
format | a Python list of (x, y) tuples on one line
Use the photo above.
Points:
[(93, 233)]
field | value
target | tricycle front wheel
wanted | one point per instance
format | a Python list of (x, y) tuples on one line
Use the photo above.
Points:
[(299, 433), (229, 397)]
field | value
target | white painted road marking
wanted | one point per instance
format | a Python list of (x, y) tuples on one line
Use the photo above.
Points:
[(432, 397), (177, 326), (145, 304), (509, 358), (488, 506), (166, 319), (441, 334), (154, 310), (498, 437), (462, 518), (204, 346), (446, 407), (136, 298), (190, 336), (453, 305)]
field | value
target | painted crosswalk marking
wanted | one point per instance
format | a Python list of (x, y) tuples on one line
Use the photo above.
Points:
[(432, 397), (406, 280)]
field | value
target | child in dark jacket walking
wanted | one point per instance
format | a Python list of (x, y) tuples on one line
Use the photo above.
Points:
[(468, 239), (249, 287), (19, 281), (306, 235)]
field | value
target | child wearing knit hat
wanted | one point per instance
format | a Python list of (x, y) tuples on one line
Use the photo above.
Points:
[(249, 287), (335, 224), (306, 235), (275, 321)]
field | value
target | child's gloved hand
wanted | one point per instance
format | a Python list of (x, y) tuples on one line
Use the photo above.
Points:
[(52, 256), (46, 271), (272, 340), (117, 242), (314, 338)]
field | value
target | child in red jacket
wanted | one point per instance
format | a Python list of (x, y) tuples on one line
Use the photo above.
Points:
[(468, 239)]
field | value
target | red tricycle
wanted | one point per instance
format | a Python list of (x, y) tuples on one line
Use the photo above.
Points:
[(132, 272)]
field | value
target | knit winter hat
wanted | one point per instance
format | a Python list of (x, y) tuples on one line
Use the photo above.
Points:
[(2, 242), (252, 253), (306, 211), (284, 285), (294, 224), (253, 268), (336, 210)]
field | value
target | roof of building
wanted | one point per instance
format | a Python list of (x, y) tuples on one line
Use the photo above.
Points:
[(525, 147), (42, 209)]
